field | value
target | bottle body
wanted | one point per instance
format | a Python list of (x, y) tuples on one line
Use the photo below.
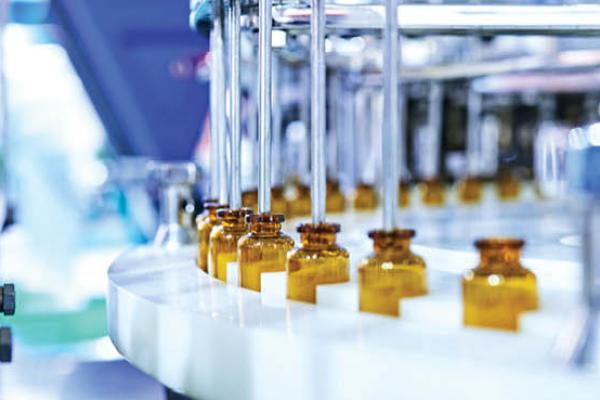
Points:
[(336, 201), (404, 194), (390, 273), (470, 190), (299, 205), (500, 289), (250, 199), (204, 225), (319, 261), (264, 249), (224, 240), (433, 192), (279, 204), (365, 197), (508, 187)]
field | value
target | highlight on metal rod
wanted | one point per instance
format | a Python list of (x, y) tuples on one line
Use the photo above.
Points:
[(434, 120), (474, 106), (219, 147), (235, 200), (264, 106), (317, 95), (390, 133)]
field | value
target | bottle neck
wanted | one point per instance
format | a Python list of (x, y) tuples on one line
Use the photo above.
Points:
[(265, 229), (314, 240), (391, 246), (234, 224), (500, 258)]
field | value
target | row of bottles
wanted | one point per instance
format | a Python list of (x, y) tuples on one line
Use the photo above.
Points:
[(494, 293), (295, 202)]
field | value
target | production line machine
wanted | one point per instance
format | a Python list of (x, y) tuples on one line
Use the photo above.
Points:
[(406, 133)]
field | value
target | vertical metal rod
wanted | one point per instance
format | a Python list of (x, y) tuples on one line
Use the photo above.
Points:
[(214, 119), (474, 105), (402, 128), (235, 98), (218, 76), (317, 68), (264, 105), (276, 174), (390, 133), (436, 95)]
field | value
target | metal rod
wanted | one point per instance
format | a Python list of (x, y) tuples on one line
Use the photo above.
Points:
[(389, 134), (434, 131), (214, 119), (218, 77), (474, 106), (317, 67), (468, 19), (276, 117), (235, 201), (264, 106), (402, 128)]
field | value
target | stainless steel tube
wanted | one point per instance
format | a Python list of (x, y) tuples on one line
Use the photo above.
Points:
[(390, 132), (235, 198), (317, 95), (218, 82), (264, 105)]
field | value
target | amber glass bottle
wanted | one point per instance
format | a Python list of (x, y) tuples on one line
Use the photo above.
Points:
[(404, 194), (250, 199), (224, 240), (508, 187), (365, 197), (500, 288), (336, 201), (299, 205), (319, 261), (263, 249), (204, 224), (390, 273), (433, 192), (279, 204), (469, 190)]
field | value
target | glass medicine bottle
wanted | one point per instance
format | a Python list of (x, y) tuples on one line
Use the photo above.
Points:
[(508, 187), (204, 225), (224, 240), (500, 288), (365, 197), (299, 205), (250, 199), (336, 201), (319, 261), (263, 249), (404, 194), (433, 192), (279, 203), (390, 273), (470, 190)]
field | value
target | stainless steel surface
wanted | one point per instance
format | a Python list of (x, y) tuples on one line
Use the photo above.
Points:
[(467, 19), (219, 100), (176, 208), (264, 110), (318, 110), (389, 134), (235, 93)]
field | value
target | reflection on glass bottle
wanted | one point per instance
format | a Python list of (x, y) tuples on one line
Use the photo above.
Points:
[(508, 187), (264, 249), (390, 273), (500, 288), (470, 190), (404, 194), (299, 205), (336, 201), (433, 192), (250, 199), (365, 197), (319, 261), (279, 204), (205, 223), (224, 240)]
